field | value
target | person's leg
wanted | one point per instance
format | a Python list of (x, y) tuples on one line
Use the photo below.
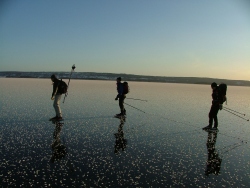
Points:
[(216, 110), (211, 116), (121, 105), (124, 110), (57, 105)]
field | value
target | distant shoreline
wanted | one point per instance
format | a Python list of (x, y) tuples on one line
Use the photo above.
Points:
[(127, 77)]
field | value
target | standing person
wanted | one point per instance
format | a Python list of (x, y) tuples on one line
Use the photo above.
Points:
[(215, 107), (121, 96), (56, 96)]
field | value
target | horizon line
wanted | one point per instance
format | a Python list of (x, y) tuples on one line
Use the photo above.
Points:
[(130, 74)]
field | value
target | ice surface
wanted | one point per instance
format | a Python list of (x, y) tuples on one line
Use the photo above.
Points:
[(163, 147)]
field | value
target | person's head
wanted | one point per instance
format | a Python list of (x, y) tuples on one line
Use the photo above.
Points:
[(118, 80), (213, 85), (53, 77)]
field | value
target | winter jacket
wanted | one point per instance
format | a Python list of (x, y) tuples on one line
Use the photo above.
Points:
[(55, 85), (120, 88)]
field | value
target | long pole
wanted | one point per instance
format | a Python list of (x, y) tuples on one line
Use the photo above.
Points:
[(235, 114), (234, 111), (137, 99), (72, 70), (134, 107)]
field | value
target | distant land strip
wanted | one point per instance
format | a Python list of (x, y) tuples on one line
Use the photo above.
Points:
[(125, 77)]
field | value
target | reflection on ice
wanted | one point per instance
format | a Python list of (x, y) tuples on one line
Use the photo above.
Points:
[(120, 141), (59, 150), (213, 164), (163, 147)]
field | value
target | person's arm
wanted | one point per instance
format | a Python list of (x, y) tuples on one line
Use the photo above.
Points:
[(119, 90), (220, 100), (55, 89)]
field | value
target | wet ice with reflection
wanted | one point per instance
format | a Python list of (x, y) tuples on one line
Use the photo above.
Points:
[(163, 147)]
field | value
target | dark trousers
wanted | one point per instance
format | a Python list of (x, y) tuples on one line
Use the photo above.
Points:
[(213, 115), (121, 104)]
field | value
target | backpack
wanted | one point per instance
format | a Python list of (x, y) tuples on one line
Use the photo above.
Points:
[(63, 87), (125, 88), (223, 91)]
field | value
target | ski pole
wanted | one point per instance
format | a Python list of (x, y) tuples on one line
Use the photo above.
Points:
[(72, 70), (234, 111), (134, 107), (235, 114), (137, 99)]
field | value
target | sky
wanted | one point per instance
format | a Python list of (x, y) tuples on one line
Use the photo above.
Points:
[(182, 38)]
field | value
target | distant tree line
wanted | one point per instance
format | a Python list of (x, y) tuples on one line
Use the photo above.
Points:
[(127, 77)]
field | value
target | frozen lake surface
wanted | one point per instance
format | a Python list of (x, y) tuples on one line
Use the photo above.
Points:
[(163, 147)]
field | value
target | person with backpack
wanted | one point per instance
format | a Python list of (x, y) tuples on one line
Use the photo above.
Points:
[(121, 96), (218, 99), (58, 90)]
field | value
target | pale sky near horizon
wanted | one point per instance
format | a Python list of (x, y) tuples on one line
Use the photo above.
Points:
[(193, 38)]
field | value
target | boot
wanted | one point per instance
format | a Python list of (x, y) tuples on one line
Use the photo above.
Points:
[(54, 118), (59, 118), (207, 127), (215, 129)]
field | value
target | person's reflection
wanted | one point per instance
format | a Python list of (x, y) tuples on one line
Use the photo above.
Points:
[(213, 163), (120, 142), (59, 150)]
